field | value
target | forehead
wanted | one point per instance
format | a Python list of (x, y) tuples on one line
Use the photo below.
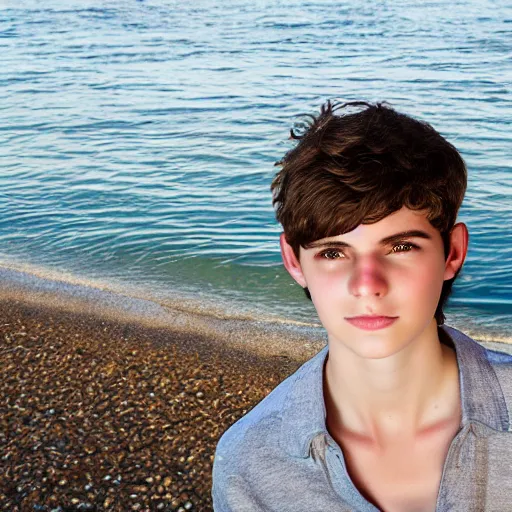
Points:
[(403, 217)]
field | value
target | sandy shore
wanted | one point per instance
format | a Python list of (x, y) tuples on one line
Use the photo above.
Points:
[(103, 415)]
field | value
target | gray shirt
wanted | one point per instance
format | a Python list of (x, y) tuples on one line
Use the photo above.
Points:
[(280, 456)]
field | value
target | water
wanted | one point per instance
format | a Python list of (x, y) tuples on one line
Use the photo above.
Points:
[(138, 138)]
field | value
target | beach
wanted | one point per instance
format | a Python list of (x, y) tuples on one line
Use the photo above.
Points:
[(106, 415), (144, 306)]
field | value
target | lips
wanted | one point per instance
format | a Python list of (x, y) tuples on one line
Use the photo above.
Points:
[(371, 323)]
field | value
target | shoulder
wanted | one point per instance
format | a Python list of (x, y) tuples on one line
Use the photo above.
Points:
[(261, 424), (257, 433), (486, 371), (253, 453), (497, 355), (500, 358), (248, 445), (501, 362)]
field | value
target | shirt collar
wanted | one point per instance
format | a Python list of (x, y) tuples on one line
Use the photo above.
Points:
[(304, 412)]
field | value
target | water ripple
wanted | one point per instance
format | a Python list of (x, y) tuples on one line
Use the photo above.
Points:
[(139, 139)]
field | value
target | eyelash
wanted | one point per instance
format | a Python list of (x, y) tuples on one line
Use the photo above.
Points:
[(407, 244)]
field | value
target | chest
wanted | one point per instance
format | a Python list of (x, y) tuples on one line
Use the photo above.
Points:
[(403, 476)]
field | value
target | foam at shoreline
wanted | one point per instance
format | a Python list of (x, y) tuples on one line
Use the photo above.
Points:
[(260, 335)]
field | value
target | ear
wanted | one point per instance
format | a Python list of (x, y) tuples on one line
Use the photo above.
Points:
[(459, 239), (290, 261)]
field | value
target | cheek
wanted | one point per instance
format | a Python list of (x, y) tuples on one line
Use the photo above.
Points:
[(420, 285), (324, 287), (329, 293)]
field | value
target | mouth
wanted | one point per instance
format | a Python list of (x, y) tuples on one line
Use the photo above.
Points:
[(371, 322)]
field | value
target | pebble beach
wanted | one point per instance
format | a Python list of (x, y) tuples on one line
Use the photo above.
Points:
[(103, 415)]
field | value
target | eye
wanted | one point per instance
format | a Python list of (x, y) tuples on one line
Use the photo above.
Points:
[(330, 254), (336, 254), (404, 247)]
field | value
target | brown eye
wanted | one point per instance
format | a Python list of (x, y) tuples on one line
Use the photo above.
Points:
[(330, 254), (404, 247)]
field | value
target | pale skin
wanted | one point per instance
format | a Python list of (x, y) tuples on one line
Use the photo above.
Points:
[(392, 395)]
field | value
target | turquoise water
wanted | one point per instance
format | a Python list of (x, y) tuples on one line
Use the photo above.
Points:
[(139, 137)]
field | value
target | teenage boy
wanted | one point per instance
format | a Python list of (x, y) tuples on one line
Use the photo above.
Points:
[(399, 412)]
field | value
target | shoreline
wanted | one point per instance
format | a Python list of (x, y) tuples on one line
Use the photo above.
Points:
[(106, 415), (242, 332)]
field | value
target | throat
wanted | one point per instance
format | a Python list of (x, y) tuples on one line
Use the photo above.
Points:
[(405, 406)]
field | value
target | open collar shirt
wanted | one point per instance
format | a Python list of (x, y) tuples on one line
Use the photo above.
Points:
[(280, 456)]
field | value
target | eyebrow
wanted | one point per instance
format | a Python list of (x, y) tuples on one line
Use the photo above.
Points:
[(385, 241)]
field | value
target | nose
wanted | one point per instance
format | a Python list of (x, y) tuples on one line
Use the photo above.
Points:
[(367, 279)]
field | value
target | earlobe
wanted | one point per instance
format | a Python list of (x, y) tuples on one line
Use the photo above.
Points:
[(459, 239), (291, 262)]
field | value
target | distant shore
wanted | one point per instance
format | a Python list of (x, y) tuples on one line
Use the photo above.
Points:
[(107, 415)]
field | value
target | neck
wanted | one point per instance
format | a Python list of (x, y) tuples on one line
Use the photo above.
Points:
[(403, 394)]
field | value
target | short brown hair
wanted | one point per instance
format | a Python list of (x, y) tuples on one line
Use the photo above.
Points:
[(359, 167)]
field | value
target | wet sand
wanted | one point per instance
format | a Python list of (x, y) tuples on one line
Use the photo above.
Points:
[(105, 415)]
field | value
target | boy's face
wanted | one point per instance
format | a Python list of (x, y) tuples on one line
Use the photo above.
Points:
[(361, 273)]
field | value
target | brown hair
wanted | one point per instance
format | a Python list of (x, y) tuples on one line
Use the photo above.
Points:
[(357, 168)]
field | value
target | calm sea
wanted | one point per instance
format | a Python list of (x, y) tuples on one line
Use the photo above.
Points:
[(139, 137)]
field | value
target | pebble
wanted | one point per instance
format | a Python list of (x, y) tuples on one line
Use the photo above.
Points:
[(85, 506), (93, 434)]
